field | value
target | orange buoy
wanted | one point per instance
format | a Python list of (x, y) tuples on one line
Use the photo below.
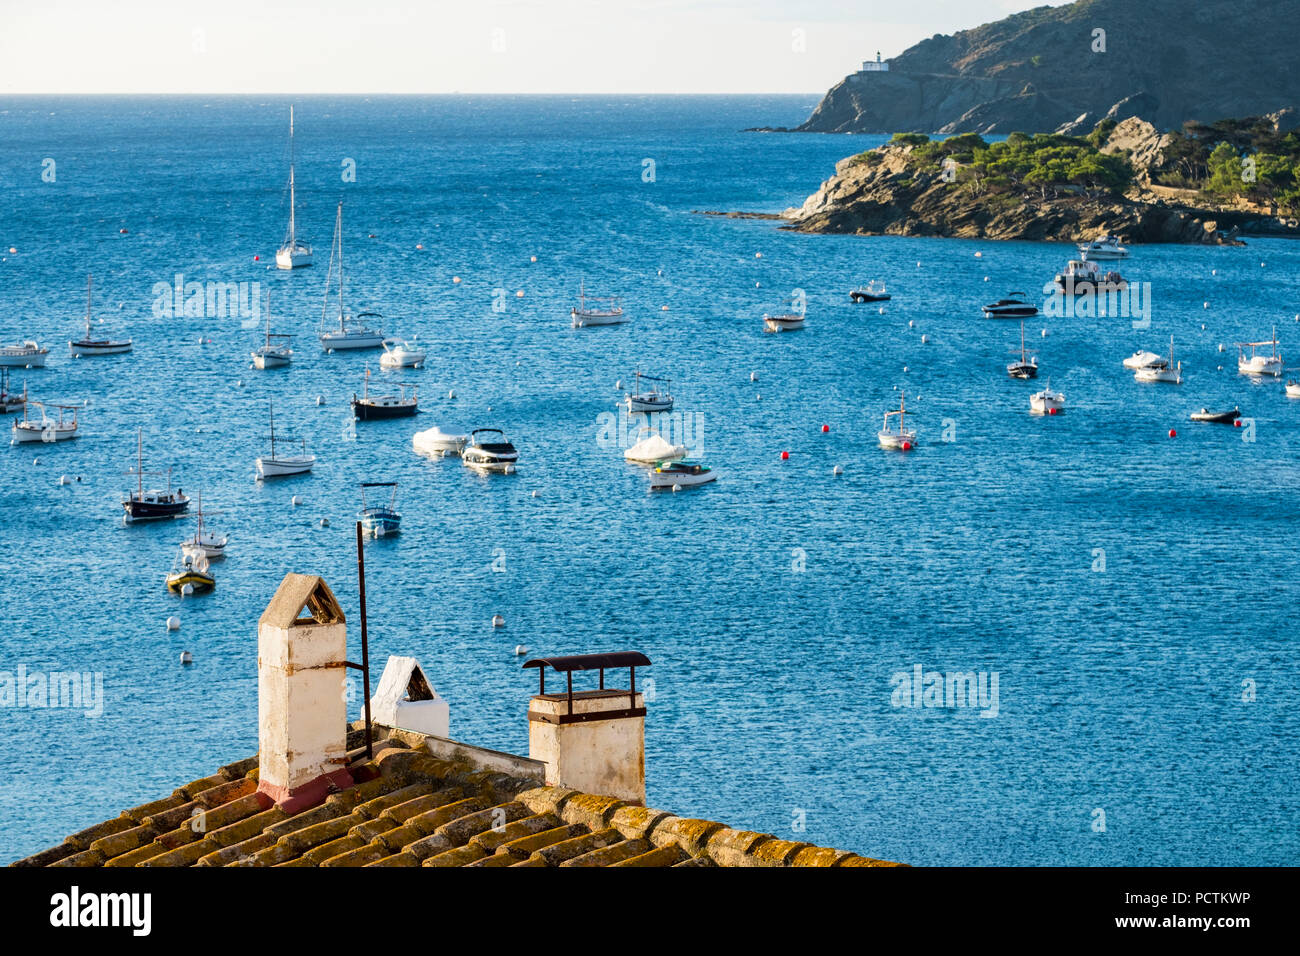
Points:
[(785, 456)]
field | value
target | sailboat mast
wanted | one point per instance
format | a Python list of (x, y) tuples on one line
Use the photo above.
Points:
[(338, 229), (272, 430), (139, 462), (88, 281), (293, 236)]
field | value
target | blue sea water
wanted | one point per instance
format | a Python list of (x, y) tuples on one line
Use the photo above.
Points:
[(1132, 592)]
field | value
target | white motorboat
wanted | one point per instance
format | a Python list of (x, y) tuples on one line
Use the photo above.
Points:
[(1027, 366), (1164, 371), (401, 354), (783, 322), (896, 436), (485, 454), (1015, 306), (681, 473), (205, 544), (1292, 389), (278, 464), (1251, 361), (1047, 402), (89, 346), (1083, 276), (293, 252), (436, 443), (604, 310), (653, 449), (1143, 359), (27, 355), (657, 399), (10, 401), (277, 350), (46, 428), (1104, 249), (352, 333)]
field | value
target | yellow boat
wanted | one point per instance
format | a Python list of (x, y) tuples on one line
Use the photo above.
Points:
[(194, 572)]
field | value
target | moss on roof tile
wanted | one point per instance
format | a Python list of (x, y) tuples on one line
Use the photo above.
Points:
[(611, 854), (657, 856), (689, 834), (590, 810), (457, 856), (136, 815), (116, 844)]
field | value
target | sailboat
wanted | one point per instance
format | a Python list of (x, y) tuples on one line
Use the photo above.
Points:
[(46, 429), (405, 403), (89, 346), (657, 399), (897, 437), (293, 252), (1162, 371), (10, 401), (1027, 367), (1259, 363), (152, 505), (277, 354), (204, 544), (351, 334), (278, 465), (377, 519), (607, 310)]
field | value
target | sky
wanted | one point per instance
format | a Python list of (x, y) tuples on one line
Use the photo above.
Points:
[(470, 46)]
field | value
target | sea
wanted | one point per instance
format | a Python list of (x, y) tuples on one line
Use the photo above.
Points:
[(1031, 640)]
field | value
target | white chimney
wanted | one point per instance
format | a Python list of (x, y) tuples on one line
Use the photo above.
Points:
[(302, 694), (405, 700), (590, 740)]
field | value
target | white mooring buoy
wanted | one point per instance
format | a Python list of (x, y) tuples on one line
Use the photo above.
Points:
[(498, 620), (173, 623), (837, 470), (296, 500), (520, 650), (187, 658)]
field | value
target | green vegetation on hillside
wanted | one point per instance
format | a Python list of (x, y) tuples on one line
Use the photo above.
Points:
[(1234, 158)]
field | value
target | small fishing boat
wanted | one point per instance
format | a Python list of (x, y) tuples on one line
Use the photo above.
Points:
[(276, 352), (653, 449), (380, 520), (279, 465), (1104, 249), (435, 443), (681, 473), (152, 505), (1027, 367), (89, 346), (27, 355), (657, 399), (1164, 371), (485, 454), (352, 333), (10, 401), (1083, 277), (1143, 359), (1046, 402), (1014, 306), (190, 571), (370, 407), (605, 310), (873, 291), (896, 436), (45, 429), (293, 252), (1257, 362), (783, 322), (1218, 418), (401, 354), (204, 544)]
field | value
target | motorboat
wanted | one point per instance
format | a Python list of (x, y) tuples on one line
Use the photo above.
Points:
[(401, 354), (488, 454), (1027, 366), (896, 436), (1292, 389), (279, 465), (89, 346), (1164, 371), (380, 520), (1104, 249), (293, 252), (152, 505), (1218, 418), (435, 443), (1047, 402), (657, 399), (1083, 276), (681, 473), (652, 449), (1015, 306), (47, 428), (1144, 359), (873, 291), (604, 310), (353, 332), (277, 350), (370, 407), (204, 544), (191, 575), (1252, 361), (27, 355), (10, 401), (783, 322)]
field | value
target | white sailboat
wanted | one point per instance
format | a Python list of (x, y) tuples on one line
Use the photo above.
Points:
[(89, 346), (279, 465), (897, 436), (1162, 371), (276, 352), (351, 333), (45, 429), (1259, 363), (293, 252), (657, 399), (607, 310), (205, 544)]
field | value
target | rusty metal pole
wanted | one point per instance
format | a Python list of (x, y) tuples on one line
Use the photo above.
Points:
[(365, 643)]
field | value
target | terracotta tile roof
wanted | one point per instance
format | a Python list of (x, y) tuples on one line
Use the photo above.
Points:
[(411, 808)]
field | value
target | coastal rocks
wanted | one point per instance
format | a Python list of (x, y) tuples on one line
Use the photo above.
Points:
[(1142, 142)]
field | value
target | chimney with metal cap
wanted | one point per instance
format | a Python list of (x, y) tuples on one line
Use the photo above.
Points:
[(302, 694), (591, 740)]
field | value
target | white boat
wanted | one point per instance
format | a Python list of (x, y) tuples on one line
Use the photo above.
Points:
[(89, 346), (352, 333), (277, 350), (485, 454), (436, 443), (1257, 362), (657, 399), (1143, 359), (293, 252), (10, 401), (1104, 249), (1164, 371), (277, 464), (653, 449), (783, 322), (605, 310), (1292, 389), (1047, 402), (681, 473), (896, 436), (873, 291), (401, 354), (27, 355), (205, 544), (1083, 276), (45, 429)]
